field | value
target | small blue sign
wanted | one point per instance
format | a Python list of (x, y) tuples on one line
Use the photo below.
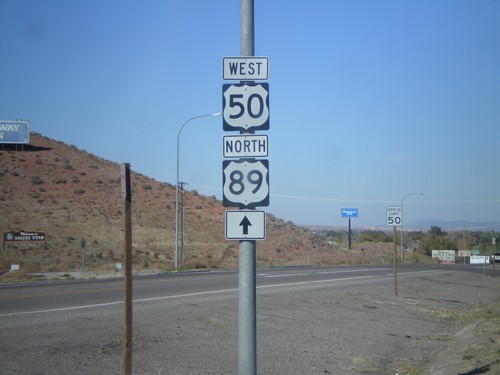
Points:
[(14, 132), (349, 212)]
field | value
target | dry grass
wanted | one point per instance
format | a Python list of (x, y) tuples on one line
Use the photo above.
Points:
[(72, 195)]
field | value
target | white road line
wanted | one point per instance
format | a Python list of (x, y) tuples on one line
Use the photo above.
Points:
[(314, 282), (208, 293), (347, 271), (117, 303), (416, 272), (288, 275)]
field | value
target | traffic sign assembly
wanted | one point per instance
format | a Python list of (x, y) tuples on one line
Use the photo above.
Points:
[(245, 106), (245, 183), (245, 225), (245, 179)]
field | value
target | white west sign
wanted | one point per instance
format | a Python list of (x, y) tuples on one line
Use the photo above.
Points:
[(241, 68)]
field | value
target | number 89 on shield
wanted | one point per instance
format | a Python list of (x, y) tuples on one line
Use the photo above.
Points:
[(245, 183)]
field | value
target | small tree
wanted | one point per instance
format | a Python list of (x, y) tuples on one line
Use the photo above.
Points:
[(436, 231)]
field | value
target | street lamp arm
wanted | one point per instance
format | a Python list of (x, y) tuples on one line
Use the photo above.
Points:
[(179, 136), (407, 195), (193, 118), (177, 185)]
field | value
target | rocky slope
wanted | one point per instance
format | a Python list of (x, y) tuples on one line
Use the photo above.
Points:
[(71, 195)]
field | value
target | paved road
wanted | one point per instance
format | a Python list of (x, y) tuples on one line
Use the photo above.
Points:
[(37, 297), (310, 320)]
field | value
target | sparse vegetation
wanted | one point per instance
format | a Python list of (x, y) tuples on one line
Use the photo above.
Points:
[(36, 181), (87, 204)]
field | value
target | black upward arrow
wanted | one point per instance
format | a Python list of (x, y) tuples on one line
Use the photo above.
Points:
[(245, 223)]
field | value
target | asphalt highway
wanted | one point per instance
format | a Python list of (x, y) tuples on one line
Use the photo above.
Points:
[(341, 320), (65, 295)]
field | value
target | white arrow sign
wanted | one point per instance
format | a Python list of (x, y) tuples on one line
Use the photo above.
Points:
[(241, 225)]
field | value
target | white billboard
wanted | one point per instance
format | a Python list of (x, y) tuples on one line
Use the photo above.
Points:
[(444, 256)]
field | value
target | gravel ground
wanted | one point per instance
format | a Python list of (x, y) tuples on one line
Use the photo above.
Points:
[(439, 324)]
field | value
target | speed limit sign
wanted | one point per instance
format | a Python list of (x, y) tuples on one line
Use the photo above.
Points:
[(245, 183), (245, 106), (394, 215)]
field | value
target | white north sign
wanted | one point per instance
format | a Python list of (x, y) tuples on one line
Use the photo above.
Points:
[(245, 146)]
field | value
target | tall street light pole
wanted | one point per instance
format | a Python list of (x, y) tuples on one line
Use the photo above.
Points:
[(176, 258), (402, 221)]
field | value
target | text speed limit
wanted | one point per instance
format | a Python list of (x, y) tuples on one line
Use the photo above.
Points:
[(245, 183), (394, 215), (245, 106)]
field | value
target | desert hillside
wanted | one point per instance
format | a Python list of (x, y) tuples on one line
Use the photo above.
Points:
[(71, 195)]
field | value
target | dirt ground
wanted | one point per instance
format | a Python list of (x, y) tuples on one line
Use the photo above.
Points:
[(440, 323)]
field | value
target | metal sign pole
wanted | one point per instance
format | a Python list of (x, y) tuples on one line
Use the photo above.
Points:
[(395, 266), (493, 241), (349, 233), (247, 311)]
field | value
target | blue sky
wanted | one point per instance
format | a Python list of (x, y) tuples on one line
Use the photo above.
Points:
[(369, 100)]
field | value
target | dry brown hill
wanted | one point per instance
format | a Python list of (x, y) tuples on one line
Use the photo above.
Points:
[(72, 195)]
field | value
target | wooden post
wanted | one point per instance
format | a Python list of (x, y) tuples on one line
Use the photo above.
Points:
[(126, 193)]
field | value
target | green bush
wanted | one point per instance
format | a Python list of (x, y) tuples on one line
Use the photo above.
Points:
[(36, 181)]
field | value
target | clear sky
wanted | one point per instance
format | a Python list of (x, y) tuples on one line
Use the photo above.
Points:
[(369, 100)]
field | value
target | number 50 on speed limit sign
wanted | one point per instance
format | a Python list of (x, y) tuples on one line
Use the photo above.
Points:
[(245, 183), (394, 215)]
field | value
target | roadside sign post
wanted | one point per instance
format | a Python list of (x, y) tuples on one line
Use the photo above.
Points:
[(394, 218), (349, 212), (493, 242), (245, 177), (83, 243), (127, 195)]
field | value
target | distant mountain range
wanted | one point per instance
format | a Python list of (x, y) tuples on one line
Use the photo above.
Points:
[(425, 224), (422, 225)]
